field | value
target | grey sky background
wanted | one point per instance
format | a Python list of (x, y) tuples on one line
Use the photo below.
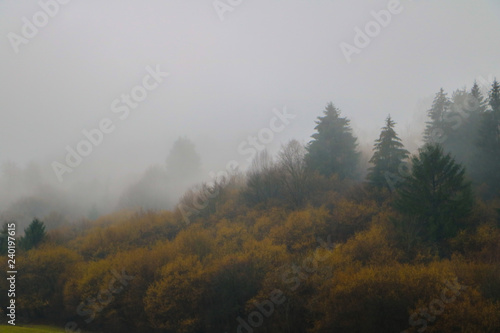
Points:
[(226, 76)]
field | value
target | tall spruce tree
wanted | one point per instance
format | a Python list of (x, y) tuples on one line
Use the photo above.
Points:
[(479, 103), (490, 130), (494, 97), (34, 234), (388, 155), (333, 148), (436, 195), (489, 141), (464, 119), (437, 127), (4, 236), (461, 135)]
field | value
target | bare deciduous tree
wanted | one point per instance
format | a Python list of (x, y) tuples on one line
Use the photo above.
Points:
[(291, 160)]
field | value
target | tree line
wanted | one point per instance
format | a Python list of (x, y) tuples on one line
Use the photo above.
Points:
[(417, 227)]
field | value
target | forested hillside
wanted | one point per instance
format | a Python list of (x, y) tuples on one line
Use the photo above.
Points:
[(301, 242)]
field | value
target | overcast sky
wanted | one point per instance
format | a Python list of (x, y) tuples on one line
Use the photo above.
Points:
[(226, 76)]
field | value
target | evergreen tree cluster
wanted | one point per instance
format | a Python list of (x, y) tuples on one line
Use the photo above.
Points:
[(468, 127)]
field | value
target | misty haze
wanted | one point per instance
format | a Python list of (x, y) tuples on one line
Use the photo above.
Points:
[(250, 166)]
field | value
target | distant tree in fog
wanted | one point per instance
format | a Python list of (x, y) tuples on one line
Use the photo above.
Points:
[(437, 127), (183, 161), (464, 117), (149, 192), (489, 141)]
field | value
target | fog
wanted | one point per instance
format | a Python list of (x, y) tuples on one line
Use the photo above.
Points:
[(231, 71)]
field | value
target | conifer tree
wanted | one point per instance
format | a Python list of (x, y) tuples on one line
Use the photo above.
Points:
[(479, 102), (464, 126), (33, 235), (489, 141), (4, 235), (494, 98), (388, 155), (437, 127), (333, 148), (436, 194)]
